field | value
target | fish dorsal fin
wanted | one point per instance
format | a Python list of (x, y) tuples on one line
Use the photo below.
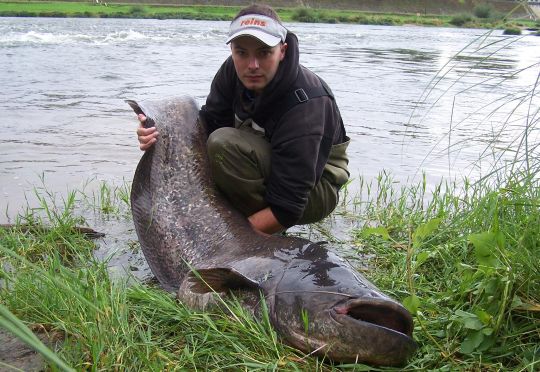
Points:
[(219, 279)]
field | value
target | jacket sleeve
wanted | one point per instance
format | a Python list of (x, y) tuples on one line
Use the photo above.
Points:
[(218, 111), (300, 149)]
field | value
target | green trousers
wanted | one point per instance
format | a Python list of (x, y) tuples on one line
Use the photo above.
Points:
[(240, 164)]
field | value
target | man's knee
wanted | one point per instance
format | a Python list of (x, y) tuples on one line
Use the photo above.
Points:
[(220, 142), (321, 202), (235, 170)]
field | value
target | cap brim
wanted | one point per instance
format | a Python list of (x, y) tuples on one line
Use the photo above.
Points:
[(269, 40)]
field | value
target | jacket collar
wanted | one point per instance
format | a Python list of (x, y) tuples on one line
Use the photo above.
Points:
[(282, 82)]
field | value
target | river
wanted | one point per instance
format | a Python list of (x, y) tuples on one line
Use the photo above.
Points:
[(408, 105)]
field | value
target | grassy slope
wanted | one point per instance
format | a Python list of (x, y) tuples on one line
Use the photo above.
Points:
[(74, 9), (436, 7), (84, 9)]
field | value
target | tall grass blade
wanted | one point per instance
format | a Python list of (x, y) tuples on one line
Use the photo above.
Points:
[(14, 325)]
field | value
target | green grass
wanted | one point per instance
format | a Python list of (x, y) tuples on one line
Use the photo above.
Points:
[(464, 261), (105, 324), (87, 9), (466, 264), (512, 31)]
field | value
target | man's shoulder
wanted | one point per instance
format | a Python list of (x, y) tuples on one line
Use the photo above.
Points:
[(305, 75), (307, 78)]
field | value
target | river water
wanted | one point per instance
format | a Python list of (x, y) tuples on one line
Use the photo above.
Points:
[(409, 105)]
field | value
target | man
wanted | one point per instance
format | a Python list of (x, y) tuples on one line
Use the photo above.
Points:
[(277, 144)]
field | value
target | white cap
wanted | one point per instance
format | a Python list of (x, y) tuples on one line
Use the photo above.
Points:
[(264, 28)]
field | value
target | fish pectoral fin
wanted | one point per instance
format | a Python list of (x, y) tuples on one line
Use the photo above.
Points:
[(219, 279), (138, 110)]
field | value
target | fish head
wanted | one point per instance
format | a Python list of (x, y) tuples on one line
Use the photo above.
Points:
[(322, 306)]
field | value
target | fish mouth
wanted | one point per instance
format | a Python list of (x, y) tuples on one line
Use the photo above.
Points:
[(378, 330), (373, 312)]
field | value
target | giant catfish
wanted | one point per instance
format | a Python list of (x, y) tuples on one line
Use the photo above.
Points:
[(195, 242)]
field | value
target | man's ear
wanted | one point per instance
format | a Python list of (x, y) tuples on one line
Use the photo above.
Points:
[(283, 49)]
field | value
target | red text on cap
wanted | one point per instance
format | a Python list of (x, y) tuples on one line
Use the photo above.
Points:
[(253, 22)]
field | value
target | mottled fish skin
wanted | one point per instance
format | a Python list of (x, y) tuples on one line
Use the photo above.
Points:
[(183, 223)]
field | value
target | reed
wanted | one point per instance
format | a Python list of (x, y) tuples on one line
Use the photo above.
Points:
[(462, 257), (464, 263)]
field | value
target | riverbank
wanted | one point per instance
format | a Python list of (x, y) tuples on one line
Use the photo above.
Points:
[(464, 263), (489, 19)]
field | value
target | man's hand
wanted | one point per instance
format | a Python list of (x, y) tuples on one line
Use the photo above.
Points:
[(147, 136), (265, 222)]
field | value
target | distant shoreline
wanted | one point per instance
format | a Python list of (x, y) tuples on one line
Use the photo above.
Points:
[(102, 9)]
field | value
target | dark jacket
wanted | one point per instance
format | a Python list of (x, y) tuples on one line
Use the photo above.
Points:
[(301, 138)]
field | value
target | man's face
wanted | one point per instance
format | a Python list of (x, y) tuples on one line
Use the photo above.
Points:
[(256, 63)]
